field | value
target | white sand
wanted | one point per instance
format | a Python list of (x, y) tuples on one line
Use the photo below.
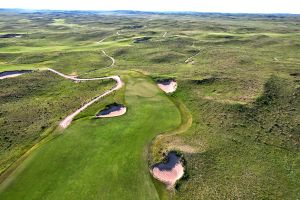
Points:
[(169, 177), (11, 75), (168, 88), (117, 113)]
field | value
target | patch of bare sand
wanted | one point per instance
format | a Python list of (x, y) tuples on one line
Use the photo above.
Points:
[(114, 110), (169, 172), (171, 143), (184, 148), (168, 86), (12, 74)]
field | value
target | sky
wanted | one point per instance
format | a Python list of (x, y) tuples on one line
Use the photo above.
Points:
[(228, 6)]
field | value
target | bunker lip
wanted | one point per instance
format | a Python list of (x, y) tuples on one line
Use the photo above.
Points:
[(11, 74), (170, 171), (112, 110), (167, 85)]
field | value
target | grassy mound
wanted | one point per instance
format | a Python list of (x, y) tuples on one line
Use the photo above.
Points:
[(244, 148)]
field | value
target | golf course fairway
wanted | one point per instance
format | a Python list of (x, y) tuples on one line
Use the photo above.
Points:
[(99, 158)]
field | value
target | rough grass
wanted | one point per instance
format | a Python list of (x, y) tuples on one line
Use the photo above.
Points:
[(244, 147), (34, 103)]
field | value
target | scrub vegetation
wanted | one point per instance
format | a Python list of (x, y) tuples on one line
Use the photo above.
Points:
[(234, 117), (32, 105)]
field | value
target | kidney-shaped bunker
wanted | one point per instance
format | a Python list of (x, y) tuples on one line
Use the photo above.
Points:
[(112, 110), (167, 85), (170, 171)]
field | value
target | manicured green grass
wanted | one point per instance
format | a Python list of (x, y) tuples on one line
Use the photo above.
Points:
[(100, 158)]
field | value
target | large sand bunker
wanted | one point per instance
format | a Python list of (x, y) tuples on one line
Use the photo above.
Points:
[(168, 85), (112, 110), (169, 172), (11, 74)]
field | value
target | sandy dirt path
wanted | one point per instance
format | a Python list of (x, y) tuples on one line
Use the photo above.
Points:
[(67, 121), (102, 40), (112, 59), (190, 58)]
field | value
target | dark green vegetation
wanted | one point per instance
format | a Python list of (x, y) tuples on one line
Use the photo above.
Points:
[(237, 74), (246, 151)]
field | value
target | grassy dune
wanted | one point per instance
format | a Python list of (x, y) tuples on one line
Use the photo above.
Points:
[(244, 151)]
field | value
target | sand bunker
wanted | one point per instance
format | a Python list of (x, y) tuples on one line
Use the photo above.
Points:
[(168, 86), (11, 74), (142, 39), (11, 35), (169, 172), (112, 110), (67, 121)]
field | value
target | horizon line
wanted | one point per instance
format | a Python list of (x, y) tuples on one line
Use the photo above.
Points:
[(149, 11)]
